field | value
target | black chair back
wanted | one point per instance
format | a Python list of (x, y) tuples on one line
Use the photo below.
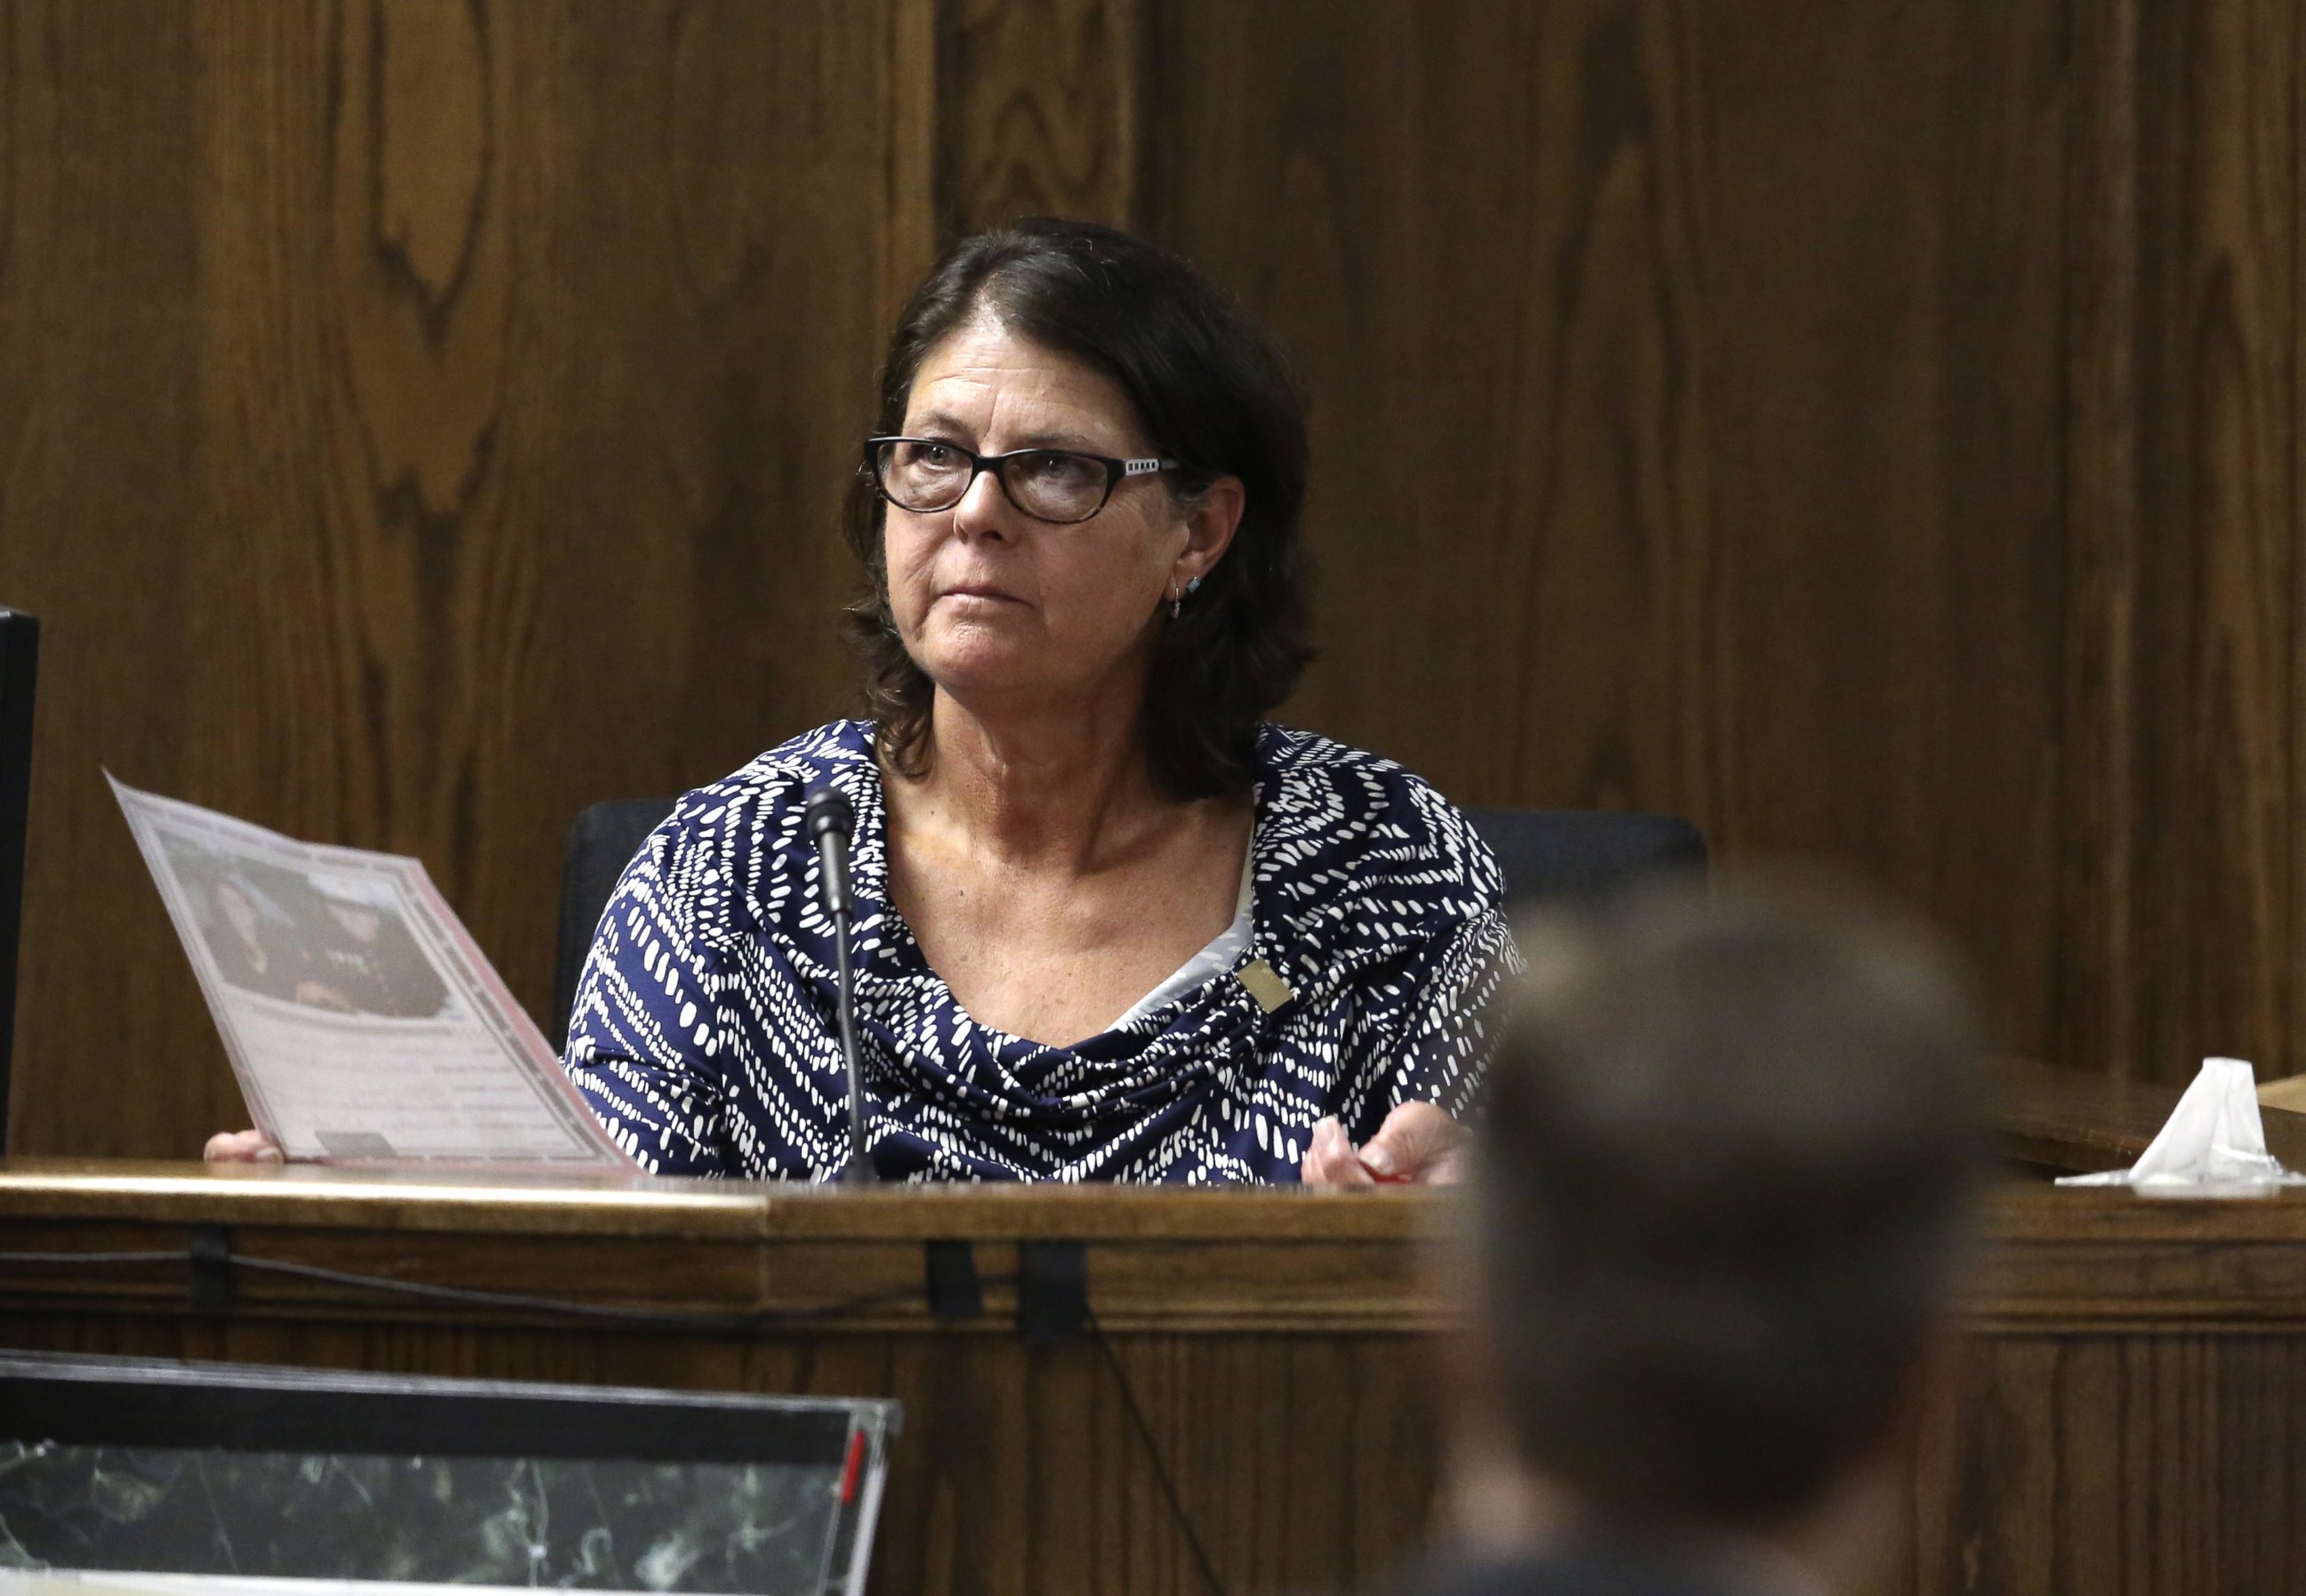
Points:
[(20, 659), (1552, 855), (600, 844), (1547, 855)]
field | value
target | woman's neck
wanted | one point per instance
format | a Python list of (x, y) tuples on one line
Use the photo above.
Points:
[(1037, 784)]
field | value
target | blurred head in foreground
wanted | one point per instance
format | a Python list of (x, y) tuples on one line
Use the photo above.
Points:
[(1721, 1190)]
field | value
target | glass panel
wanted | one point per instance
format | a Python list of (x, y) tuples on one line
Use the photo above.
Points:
[(111, 1467), (592, 1524)]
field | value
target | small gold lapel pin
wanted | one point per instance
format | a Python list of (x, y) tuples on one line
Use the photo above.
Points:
[(1269, 990)]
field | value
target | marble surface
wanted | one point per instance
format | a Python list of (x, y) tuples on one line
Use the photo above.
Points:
[(585, 1525)]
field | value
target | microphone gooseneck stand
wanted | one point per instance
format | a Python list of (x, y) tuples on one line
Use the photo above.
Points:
[(831, 822)]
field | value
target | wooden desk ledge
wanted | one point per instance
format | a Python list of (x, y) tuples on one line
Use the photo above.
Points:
[(660, 1206), (809, 1259), (1155, 1258), (2065, 1122)]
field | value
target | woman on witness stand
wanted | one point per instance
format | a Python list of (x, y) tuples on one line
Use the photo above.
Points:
[(1111, 924)]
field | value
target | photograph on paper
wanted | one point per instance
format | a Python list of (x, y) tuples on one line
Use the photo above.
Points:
[(362, 1021), (332, 941)]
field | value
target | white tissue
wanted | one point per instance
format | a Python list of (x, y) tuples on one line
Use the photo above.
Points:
[(2213, 1145)]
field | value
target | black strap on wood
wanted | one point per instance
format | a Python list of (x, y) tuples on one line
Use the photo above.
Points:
[(20, 656), (955, 1293), (211, 1256), (1051, 1292)]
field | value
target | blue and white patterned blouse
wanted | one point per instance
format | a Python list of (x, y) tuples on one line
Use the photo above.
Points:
[(706, 1034)]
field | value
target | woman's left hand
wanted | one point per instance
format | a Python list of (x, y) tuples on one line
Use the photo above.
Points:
[(1417, 1145)]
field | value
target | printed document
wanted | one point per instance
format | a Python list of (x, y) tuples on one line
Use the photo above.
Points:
[(364, 1022)]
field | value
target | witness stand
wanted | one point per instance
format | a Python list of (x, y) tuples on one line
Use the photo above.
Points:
[(1175, 1391)]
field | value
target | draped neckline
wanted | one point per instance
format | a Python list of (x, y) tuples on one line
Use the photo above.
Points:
[(1162, 1051)]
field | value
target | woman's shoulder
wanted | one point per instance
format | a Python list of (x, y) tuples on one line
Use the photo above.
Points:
[(1348, 826), (838, 752), (757, 807)]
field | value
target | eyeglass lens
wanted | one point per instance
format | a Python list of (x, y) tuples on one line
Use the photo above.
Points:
[(924, 476)]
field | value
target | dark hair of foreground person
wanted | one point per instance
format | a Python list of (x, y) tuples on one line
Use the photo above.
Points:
[(1721, 1193)]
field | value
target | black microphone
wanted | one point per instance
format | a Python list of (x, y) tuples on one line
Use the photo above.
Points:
[(831, 821)]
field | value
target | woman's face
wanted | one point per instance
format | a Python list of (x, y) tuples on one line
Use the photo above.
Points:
[(991, 602)]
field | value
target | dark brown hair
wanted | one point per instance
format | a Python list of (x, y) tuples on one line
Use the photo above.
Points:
[(1213, 393), (1720, 1192)]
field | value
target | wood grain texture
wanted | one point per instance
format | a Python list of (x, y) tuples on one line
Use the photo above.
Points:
[(1688, 402), (2099, 978), (1874, 436), (2055, 1488), (99, 235), (2214, 937), (2073, 1122), (434, 420), (1038, 107), (601, 1204), (1870, 433), (2131, 1388), (1021, 1468), (909, 219)]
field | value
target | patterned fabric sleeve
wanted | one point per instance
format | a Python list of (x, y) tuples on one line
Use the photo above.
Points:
[(645, 1030), (1436, 1046)]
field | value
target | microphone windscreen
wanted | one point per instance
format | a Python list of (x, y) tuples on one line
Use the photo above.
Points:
[(829, 811)]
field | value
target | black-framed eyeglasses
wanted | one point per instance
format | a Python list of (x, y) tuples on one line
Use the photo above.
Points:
[(927, 474)]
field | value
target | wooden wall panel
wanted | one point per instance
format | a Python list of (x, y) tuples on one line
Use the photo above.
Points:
[(2099, 992), (2215, 928), (2063, 1438), (99, 247), (2180, 880), (1869, 431), (435, 420), (1039, 110), (1687, 402)]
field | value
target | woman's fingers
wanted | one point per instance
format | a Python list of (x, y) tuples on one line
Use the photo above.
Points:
[(1329, 1160), (1418, 1142), (1317, 1167), (242, 1147)]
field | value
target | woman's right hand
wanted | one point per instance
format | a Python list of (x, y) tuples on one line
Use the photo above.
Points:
[(242, 1147), (1419, 1145)]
